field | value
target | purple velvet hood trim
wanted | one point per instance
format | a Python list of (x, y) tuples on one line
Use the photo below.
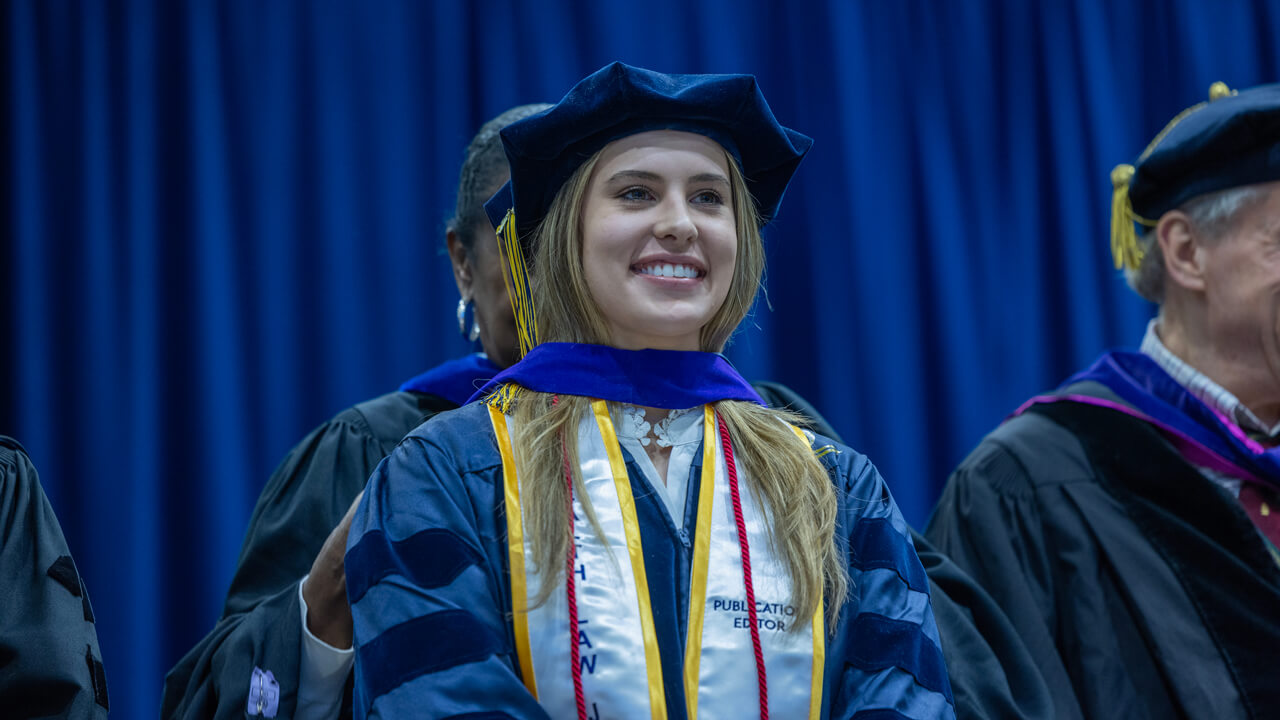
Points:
[(668, 379), (454, 380), (1163, 402)]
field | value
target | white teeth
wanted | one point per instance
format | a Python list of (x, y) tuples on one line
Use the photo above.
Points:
[(669, 270)]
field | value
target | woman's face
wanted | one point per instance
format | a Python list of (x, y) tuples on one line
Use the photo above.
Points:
[(478, 272), (659, 238)]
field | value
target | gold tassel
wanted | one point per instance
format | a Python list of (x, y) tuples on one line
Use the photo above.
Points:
[(1124, 241), (515, 275), (504, 398)]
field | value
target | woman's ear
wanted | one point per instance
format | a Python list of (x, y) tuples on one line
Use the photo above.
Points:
[(1183, 246), (459, 258)]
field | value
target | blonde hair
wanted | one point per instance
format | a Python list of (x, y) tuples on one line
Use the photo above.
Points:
[(784, 475)]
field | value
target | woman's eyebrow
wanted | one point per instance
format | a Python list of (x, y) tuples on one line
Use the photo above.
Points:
[(623, 175), (709, 177)]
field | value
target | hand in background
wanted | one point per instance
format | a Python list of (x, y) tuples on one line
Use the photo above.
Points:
[(325, 590)]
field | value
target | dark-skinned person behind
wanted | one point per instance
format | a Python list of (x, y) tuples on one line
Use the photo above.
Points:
[(620, 528), (282, 646), (50, 664), (1127, 522)]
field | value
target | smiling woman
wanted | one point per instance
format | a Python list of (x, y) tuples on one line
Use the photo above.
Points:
[(621, 529)]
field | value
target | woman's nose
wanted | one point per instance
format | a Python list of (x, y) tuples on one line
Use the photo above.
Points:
[(675, 221)]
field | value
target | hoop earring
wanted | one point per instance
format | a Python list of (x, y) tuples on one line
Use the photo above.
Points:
[(466, 307), (462, 316)]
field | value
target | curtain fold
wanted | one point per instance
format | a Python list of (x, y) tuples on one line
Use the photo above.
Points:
[(223, 223)]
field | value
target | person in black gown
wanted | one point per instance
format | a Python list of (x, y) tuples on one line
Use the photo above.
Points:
[(1127, 522), (50, 664), (259, 656)]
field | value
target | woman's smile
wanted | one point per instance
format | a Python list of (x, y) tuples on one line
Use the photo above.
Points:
[(674, 269)]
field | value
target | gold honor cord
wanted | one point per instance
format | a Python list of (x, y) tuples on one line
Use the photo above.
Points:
[(819, 634), (819, 663), (701, 553), (622, 483), (515, 550), (515, 276)]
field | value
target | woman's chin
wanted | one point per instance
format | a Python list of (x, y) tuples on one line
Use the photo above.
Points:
[(659, 338)]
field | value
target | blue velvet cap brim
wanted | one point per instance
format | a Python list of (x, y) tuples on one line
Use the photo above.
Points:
[(1227, 143), (496, 207), (619, 100)]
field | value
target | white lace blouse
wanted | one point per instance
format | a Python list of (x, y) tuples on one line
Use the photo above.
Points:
[(681, 430)]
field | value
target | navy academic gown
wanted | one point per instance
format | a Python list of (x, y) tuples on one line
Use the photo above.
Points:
[(427, 578)]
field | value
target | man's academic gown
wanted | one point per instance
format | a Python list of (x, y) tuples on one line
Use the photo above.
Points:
[(1140, 587), (50, 664)]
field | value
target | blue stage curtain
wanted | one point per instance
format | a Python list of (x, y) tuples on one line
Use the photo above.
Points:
[(222, 223)]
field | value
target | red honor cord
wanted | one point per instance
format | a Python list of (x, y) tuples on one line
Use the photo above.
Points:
[(578, 697), (761, 681)]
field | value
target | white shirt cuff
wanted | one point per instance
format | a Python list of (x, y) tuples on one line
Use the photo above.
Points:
[(322, 672)]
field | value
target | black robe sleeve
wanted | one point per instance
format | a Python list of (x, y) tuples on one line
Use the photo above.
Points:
[(990, 520), (50, 664), (303, 501), (1109, 627), (992, 673)]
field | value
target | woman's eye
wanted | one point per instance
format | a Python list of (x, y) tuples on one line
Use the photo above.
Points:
[(636, 193), (708, 197)]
